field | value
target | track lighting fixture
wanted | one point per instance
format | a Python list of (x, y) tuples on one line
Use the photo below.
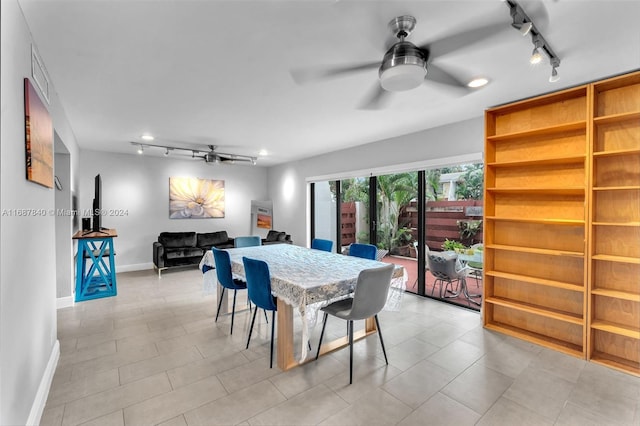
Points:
[(525, 25), (211, 157), (536, 56), (555, 63)]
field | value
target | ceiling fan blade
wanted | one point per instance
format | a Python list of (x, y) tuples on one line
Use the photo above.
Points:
[(377, 98), (457, 41), (438, 75), (306, 75)]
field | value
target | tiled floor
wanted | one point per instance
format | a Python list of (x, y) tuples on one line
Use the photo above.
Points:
[(153, 355)]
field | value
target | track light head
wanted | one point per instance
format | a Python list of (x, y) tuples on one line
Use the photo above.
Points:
[(526, 28), (536, 57), (555, 63)]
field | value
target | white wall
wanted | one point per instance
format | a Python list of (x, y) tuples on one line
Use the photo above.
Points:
[(28, 344), (288, 183), (136, 188)]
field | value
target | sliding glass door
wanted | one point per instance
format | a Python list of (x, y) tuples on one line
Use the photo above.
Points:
[(407, 215)]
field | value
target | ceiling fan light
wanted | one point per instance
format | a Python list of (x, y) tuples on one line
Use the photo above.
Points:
[(402, 77), (140, 150), (478, 82)]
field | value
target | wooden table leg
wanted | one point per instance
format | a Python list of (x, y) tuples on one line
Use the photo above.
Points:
[(286, 360)]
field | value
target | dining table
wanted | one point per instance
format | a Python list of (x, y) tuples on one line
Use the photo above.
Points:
[(306, 279)]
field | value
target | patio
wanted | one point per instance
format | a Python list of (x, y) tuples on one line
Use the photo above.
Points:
[(411, 266)]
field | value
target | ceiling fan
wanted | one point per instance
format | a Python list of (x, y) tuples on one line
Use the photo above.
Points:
[(405, 65), (220, 157), (211, 157)]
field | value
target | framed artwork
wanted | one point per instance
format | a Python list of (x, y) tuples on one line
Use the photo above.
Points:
[(38, 138), (263, 218), (194, 198)]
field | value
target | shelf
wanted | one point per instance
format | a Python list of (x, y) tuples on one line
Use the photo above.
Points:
[(535, 280), (616, 188), (570, 222), (620, 259), (559, 345), (561, 196), (630, 224), (617, 363), (619, 329), (616, 153), (616, 294), (541, 162), (547, 252), (566, 127), (617, 118), (545, 191), (537, 310)]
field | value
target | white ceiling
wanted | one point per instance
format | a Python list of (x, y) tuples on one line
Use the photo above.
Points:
[(204, 72)]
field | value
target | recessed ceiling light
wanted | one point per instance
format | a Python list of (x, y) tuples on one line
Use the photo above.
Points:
[(478, 82), (147, 137), (262, 152)]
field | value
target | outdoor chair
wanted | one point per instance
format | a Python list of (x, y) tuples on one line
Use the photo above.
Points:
[(475, 268), (368, 299), (443, 267)]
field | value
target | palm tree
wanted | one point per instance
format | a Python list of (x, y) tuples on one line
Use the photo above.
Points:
[(394, 192)]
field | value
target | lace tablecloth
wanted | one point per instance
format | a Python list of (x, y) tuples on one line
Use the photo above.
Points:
[(308, 279)]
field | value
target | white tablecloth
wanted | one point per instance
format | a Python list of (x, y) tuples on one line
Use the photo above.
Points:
[(308, 279)]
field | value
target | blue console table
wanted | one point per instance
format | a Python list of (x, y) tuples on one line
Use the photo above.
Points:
[(95, 265)]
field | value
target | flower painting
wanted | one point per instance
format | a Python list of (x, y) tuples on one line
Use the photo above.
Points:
[(193, 198)]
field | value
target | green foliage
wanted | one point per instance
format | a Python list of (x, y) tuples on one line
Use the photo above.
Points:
[(469, 228), (356, 189), (451, 245), (394, 192), (471, 186)]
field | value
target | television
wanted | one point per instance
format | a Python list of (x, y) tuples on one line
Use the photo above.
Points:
[(96, 213)]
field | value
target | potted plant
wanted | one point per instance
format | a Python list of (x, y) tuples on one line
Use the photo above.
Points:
[(468, 230), (452, 245)]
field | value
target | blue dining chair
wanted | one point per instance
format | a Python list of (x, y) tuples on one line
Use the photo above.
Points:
[(259, 287), (369, 297), (226, 280), (365, 251), (248, 241), (319, 244)]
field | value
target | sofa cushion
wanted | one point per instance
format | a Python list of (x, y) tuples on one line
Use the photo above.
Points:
[(274, 236), (282, 236), (184, 252), (210, 239), (177, 239)]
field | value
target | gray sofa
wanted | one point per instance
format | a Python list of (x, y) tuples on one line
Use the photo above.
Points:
[(276, 237), (176, 249)]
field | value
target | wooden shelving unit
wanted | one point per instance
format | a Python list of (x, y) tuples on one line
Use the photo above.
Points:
[(562, 221), (614, 238), (536, 185)]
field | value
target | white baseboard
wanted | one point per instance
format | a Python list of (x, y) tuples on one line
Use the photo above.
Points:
[(135, 267), (64, 302), (35, 415)]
